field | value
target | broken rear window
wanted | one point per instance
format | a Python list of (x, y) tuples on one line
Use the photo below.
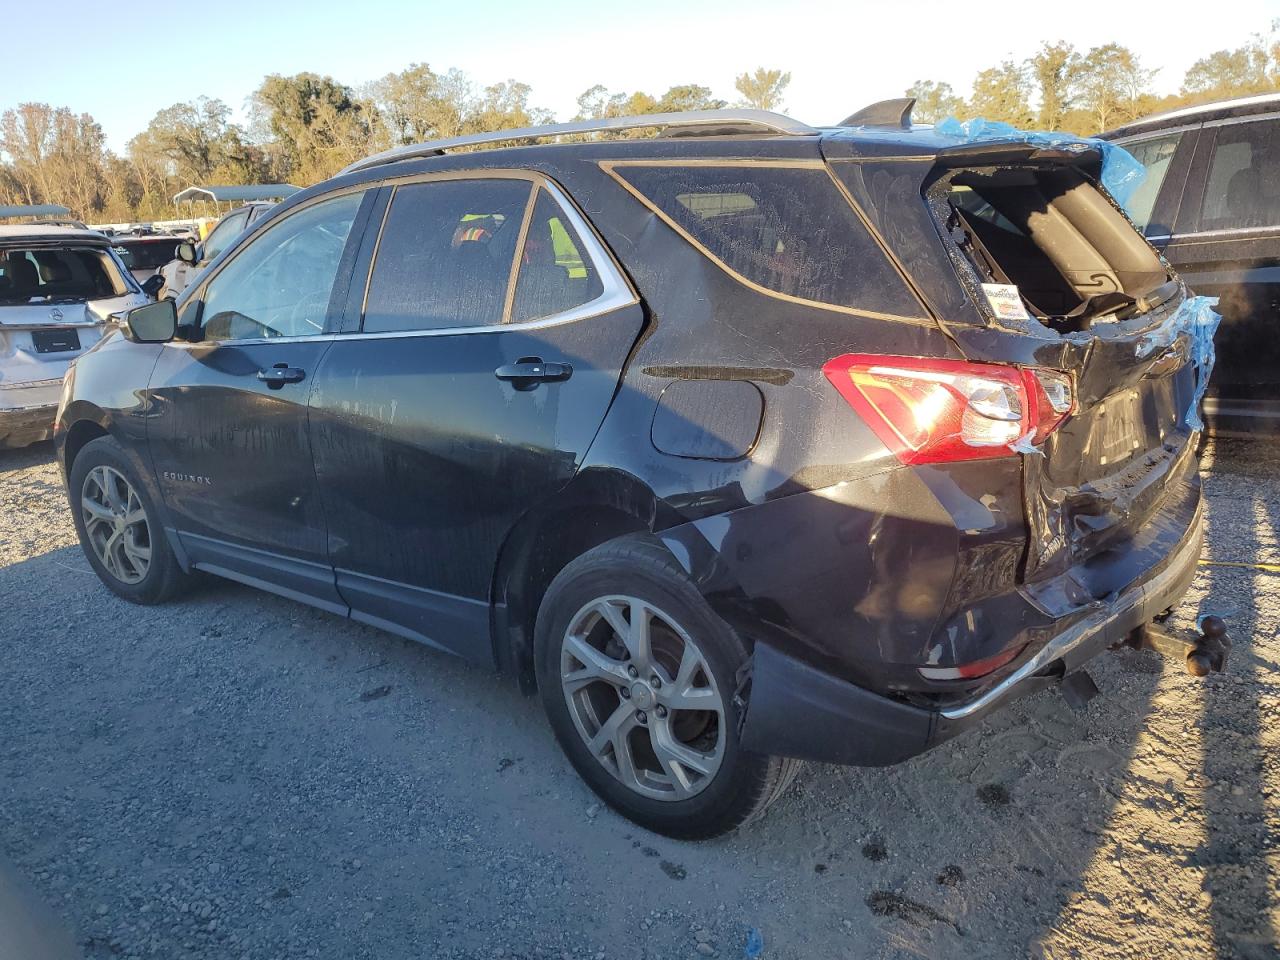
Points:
[(788, 229), (58, 275), (1053, 235)]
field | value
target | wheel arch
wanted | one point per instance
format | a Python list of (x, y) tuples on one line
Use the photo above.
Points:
[(83, 429), (86, 422), (597, 506)]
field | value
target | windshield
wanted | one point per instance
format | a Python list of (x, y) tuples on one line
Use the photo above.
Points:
[(58, 275), (147, 254)]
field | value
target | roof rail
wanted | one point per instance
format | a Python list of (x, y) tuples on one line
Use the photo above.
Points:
[(718, 122)]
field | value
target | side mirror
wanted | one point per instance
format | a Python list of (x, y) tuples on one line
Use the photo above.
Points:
[(154, 323), (153, 285), (187, 251)]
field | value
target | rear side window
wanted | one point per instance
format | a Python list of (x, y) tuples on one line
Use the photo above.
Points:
[(786, 229), (1155, 155), (445, 255), (555, 273), (1243, 189)]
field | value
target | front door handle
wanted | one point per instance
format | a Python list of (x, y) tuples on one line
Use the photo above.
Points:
[(280, 374), (527, 372)]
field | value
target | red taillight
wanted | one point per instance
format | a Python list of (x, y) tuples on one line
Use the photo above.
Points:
[(975, 669), (942, 411)]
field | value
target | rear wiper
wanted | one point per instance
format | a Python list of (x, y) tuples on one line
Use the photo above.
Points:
[(1082, 317), (1152, 299)]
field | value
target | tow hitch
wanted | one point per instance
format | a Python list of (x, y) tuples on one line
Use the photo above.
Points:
[(1204, 652)]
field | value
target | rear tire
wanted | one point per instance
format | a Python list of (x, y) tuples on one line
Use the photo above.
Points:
[(119, 527), (648, 717)]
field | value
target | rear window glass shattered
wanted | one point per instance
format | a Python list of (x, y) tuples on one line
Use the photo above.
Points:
[(1052, 239), (58, 275)]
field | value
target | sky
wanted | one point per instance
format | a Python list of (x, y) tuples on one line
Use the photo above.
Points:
[(123, 65)]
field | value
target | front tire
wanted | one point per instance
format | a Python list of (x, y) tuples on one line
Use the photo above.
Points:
[(119, 527), (638, 677)]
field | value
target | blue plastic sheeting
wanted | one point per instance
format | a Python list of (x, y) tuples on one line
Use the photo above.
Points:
[(1121, 173), (1196, 319)]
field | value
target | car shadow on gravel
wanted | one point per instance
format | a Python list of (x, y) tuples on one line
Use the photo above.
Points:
[(1233, 856), (971, 850), (245, 761)]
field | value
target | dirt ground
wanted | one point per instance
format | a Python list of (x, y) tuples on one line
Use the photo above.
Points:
[(239, 776)]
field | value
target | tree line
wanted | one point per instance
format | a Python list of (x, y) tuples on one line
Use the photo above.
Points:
[(301, 129), (306, 127), (1086, 92)]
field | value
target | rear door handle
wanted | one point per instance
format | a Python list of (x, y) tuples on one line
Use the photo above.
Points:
[(280, 374), (527, 372)]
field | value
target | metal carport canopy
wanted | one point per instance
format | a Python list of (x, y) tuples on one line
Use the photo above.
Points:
[(241, 194), (39, 210)]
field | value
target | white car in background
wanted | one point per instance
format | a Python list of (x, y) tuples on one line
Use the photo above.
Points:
[(59, 287)]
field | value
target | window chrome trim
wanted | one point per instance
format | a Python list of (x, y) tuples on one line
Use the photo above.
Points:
[(594, 308), (249, 342), (615, 294)]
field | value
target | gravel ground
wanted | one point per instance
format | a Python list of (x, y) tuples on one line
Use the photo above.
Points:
[(237, 775)]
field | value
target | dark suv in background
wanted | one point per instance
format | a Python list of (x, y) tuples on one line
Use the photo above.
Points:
[(746, 443), (1211, 204)]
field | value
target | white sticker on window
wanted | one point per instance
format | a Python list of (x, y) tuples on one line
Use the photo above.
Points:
[(1005, 300)]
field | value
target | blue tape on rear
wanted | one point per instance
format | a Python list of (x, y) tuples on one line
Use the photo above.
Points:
[(1201, 323), (1122, 174)]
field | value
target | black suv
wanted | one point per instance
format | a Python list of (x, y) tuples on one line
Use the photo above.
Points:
[(737, 443), (1211, 204)]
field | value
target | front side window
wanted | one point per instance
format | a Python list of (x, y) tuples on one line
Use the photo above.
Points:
[(555, 272), (1243, 189), (279, 284), (1155, 155), (787, 229), (445, 255)]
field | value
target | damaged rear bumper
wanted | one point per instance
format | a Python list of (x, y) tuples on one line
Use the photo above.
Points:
[(27, 412), (797, 710)]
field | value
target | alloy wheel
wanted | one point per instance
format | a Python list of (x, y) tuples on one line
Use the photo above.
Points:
[(643, 698), (115, 524)]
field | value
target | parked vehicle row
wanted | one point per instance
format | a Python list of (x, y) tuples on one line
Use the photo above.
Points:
[(735, 456), (59, 287), (1211, 205)]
